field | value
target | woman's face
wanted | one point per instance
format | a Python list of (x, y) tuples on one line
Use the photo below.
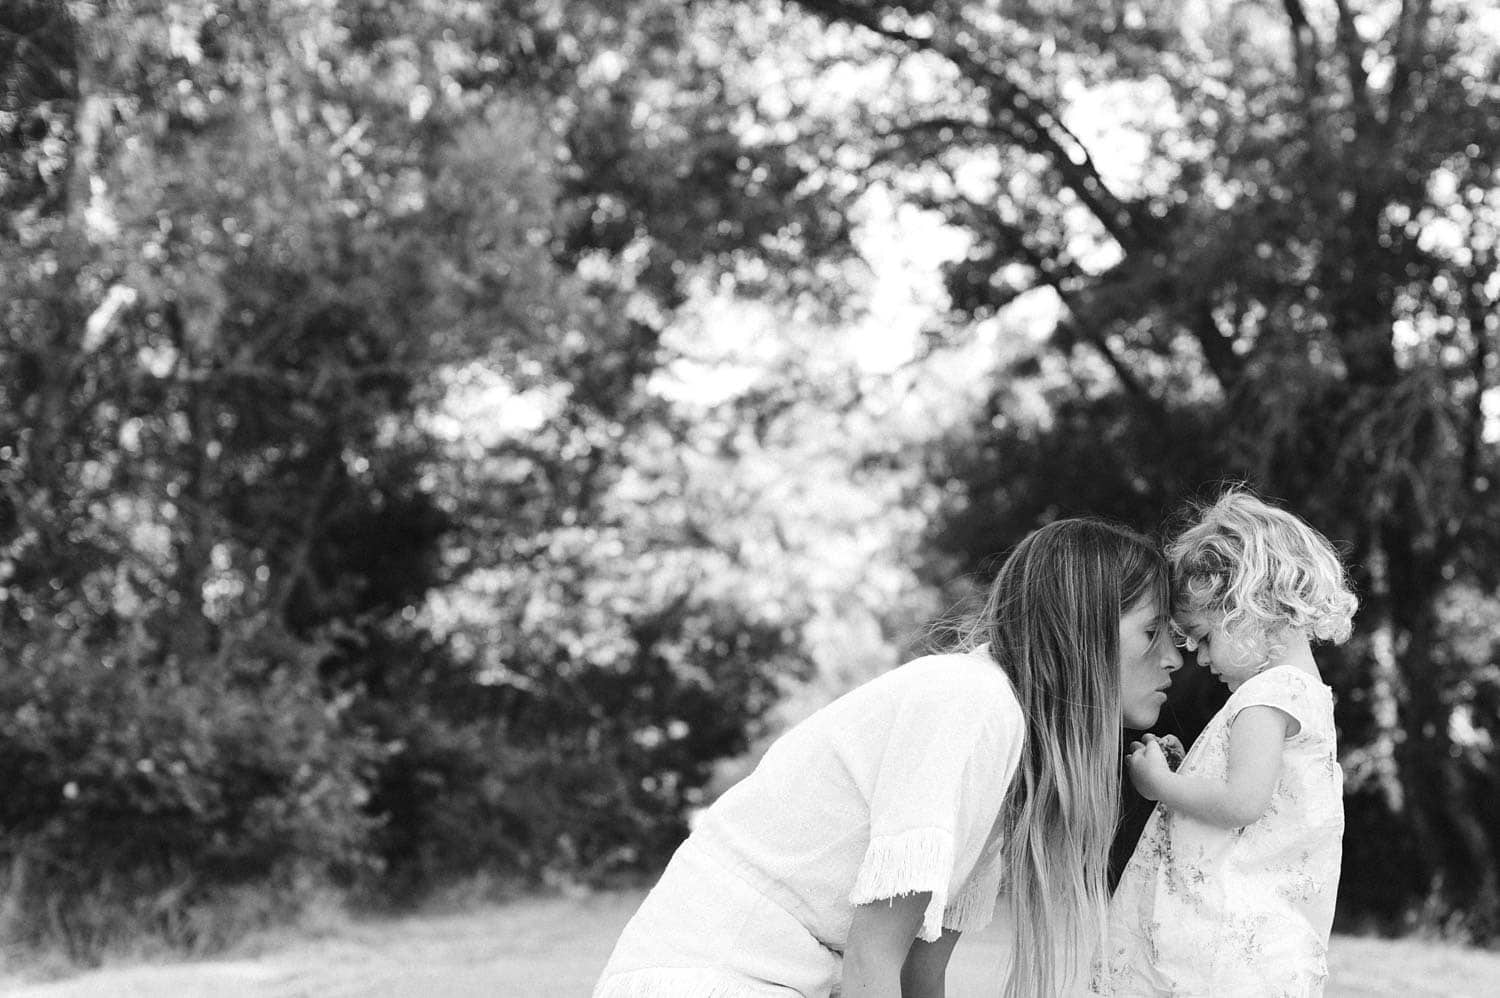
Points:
[(1147, 660)]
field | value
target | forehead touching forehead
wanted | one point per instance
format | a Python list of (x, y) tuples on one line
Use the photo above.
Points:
[(1195, 622), (1199, 595), (1147, 584), (1148, 609), (1197, 591)]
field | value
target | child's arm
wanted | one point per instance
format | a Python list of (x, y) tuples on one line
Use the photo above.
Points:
[(1255, 741)]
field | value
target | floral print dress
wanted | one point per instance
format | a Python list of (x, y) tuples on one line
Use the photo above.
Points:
[(1202, 910)]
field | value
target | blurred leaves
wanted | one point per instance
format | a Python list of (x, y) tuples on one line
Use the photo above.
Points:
[(1271, 237), (254, 255), (388, 486)]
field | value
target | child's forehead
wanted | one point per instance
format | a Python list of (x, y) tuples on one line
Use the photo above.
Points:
[(1197, 620)]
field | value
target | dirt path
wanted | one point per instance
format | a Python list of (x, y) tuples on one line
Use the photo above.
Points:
[(553, 947), (543, 947)]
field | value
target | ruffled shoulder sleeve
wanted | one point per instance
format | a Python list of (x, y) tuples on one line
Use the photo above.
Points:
[(1301, 696), (948, 750)]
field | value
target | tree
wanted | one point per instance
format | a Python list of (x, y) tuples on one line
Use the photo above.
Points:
[(1270, 233), (252, 251)]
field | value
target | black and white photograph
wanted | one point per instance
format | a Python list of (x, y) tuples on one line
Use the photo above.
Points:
[(749, 498)]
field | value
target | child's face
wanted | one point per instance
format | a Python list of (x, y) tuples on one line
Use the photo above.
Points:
[(1229, 656)]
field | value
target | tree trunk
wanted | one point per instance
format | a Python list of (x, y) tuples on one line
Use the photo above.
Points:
[(1385, 679), (1458, 856)]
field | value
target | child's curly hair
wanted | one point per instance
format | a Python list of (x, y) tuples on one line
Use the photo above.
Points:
[(1260, 568)]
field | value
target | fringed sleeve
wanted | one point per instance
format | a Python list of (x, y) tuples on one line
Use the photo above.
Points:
[(973, 907), (909, 863), (946, 756)]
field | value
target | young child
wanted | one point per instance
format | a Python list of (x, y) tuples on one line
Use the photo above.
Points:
[(1231, 887)]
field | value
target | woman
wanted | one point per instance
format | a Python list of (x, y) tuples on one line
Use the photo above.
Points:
[(876, 831)]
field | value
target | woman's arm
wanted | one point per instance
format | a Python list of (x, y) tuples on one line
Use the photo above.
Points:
[(925, 972), (880, 940), (1255, 741)]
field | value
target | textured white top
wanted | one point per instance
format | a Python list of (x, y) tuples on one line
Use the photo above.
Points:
[(1202, 910), (892, 789)]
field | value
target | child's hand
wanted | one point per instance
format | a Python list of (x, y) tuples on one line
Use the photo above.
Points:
[(1148, 767), (1171, 747)]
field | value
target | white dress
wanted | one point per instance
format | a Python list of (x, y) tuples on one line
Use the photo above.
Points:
[(892, 789), (1202, 910)]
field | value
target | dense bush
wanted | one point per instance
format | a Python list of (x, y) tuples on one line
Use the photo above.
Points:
[(188, 801), (185, 801), (571, 768)]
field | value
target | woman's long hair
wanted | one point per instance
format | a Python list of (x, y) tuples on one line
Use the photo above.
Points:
[(1052, 622)]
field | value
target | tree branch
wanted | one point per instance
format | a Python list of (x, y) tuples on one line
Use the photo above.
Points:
[(893, 139), (300, 557), (1030, 124), (864, 17), (1218, 353), (1354, 50), (1051, 274), (1038, 132), (1477, 310), (1304, 47), (1035, 128), (1133, 385), (1411, 37)]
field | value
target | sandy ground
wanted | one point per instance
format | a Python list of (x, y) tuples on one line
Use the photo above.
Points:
[(553, 947)]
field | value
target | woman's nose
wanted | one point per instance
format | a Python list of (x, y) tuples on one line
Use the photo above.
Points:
[(1172, 657)]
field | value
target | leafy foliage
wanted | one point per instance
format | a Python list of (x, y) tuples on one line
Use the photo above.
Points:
[(252, 253), (1270, 234), (150, 802), (348, 534)]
